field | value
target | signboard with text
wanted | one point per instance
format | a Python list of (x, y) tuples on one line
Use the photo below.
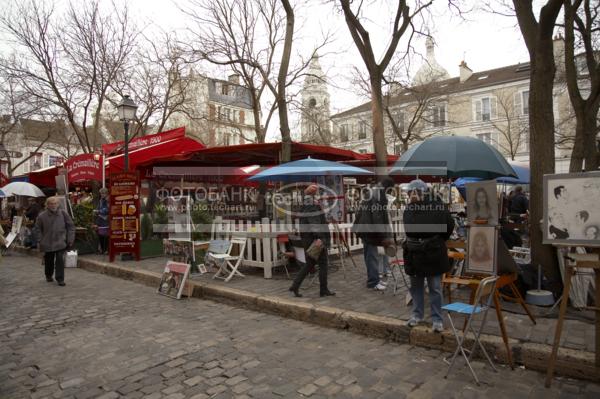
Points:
[(84, 167), (124, 214), (144, 141)]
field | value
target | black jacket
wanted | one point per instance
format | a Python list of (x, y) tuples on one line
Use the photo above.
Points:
[(428, 224), (519, 204), (372, 223), (313, 225)]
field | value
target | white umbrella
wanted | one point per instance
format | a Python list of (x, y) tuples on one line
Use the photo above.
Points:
[(22, 188)]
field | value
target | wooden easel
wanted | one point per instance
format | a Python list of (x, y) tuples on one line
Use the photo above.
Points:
[(342, 245), (582, 261)]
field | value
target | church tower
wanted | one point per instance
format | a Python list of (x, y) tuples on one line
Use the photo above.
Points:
[(315, 123)]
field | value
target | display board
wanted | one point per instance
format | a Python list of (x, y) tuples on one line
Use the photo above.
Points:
[(482, 250), (124, 214), (173, 279), (482, 202), (333, 199), (179, 218), (571, 211)]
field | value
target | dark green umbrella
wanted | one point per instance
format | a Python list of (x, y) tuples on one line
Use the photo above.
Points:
[(453, 157)]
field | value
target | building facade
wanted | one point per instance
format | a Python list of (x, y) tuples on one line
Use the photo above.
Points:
[(216, 112), (491, 105)]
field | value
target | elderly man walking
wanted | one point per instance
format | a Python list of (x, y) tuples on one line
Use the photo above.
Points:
[(56, 232)]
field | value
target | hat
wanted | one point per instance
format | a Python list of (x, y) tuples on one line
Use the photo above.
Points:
[(418, 184)]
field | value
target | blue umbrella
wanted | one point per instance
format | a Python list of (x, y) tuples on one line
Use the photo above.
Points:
[(522, 171), (305, 169), (2, 195)]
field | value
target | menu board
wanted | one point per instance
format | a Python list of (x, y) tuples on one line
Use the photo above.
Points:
[(124, 214)]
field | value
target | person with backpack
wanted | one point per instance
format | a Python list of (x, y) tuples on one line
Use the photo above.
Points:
[(56, 233), (428, 225)]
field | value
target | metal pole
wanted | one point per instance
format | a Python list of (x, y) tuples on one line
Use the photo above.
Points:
[(126, 125), (103, 170)]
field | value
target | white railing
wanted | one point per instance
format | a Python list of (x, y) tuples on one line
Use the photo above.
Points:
[(262, 248)]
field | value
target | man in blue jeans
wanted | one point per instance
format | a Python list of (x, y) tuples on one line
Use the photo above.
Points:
[(372, 226), (428, 224)]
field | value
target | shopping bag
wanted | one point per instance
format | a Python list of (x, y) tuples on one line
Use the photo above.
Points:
[(71, 259)]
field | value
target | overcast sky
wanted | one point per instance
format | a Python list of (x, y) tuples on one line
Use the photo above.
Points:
[(484, 40)]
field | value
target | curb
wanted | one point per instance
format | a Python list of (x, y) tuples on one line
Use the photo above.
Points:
[(570, 363)]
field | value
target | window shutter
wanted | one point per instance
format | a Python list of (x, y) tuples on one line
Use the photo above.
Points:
[(493, 108), (478, 110), (242, 117), (211, 111), (518, 104)]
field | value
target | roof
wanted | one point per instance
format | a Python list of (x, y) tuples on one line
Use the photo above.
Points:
[(57, 132), (491, 77)]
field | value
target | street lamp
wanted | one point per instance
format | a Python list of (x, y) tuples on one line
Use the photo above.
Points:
[(126, 111)]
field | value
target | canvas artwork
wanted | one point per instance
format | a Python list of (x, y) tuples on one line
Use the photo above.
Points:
[(173, 279), (482, 202), (481, 252), (179, 218), (571, 211)]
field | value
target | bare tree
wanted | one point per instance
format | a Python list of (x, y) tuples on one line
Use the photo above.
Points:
[(355, 22), (537, 33), (511, 125), (582, 29), (68, 62)]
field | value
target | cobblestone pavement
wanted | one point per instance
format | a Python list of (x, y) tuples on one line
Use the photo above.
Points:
[(353, 295), (101, 337)]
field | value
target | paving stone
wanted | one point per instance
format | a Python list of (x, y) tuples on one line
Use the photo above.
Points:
[(308, 390)]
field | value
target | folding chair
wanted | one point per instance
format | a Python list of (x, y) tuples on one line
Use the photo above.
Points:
[(486, 288), (284, 254), (228, 264), (215, 247)]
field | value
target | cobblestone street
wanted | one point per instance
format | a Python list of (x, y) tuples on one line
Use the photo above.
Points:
[(101, 337)]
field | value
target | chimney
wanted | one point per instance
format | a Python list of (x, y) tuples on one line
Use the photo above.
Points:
[(465, 71), (558, 46), (234, 78)]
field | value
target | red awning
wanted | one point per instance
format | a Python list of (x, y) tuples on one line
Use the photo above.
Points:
[(264, 154), (44, 177), (172, 149)]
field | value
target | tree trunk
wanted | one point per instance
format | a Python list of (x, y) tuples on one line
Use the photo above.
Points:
[(542, 159), (379, 145), (591, 147), (284, 126)]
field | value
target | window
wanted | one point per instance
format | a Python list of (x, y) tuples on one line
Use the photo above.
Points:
[(224, 89), (4, 167), (344, 133), (438, 115), (522, 103), (312, 103), (54, 160), (398, 149), (227, 139), (485, 109), (523, 142), (399, 120), (227, 114), (362, 151), (362, 130), (35, 162)]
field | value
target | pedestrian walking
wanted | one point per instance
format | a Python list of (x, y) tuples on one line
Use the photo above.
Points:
[(428, 224), (372, 226), (57, 233), (315, 236), (101, 221)]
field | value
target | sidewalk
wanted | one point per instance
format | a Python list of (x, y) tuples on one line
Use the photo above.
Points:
[(365, 311)]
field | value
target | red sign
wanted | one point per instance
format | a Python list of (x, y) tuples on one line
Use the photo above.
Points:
[(3, 180), (84, 167), (145, 141), (124, 214)]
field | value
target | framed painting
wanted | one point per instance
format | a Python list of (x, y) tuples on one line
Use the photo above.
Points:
[(571, 211), (482, 202), (482, 250)]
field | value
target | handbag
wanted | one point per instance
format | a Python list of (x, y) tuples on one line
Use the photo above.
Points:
[(314, 250)]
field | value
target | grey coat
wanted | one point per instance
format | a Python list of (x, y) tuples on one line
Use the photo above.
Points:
[(56, 230)]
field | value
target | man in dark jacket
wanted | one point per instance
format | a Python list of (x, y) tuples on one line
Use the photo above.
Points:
[(428, 224), (519, 205), (372, 226), (57, 233), (314, 229)]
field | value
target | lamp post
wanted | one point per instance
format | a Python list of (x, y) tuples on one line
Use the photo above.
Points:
[(126, 111)]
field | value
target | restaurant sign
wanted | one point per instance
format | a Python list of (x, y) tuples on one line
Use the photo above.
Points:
[(84, 167), (144, 141), (124, 214)]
